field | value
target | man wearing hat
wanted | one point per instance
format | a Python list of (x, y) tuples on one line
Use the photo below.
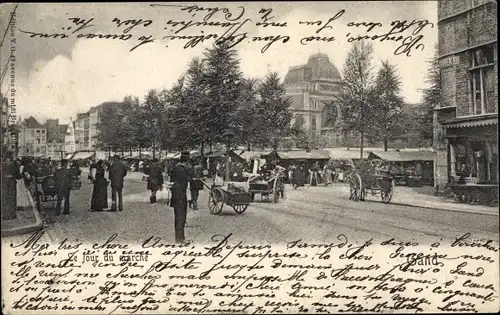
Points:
[(117, 171), (181, 175)]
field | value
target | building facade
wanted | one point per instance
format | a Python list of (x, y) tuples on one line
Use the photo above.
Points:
[(32, 138), (465, 122), (55, 139), (312, 88)]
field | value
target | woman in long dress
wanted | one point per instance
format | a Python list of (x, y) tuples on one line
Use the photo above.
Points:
[(100, 192)]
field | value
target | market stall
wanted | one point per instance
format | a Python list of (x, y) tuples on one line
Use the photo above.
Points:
[(412, 168)]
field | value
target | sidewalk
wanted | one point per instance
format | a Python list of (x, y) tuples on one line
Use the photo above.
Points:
[(424, 197), (28, 219)]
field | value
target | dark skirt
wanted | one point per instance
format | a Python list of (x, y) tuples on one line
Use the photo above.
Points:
[(196, 185), (99, 195), (154, 184), (298, 178)]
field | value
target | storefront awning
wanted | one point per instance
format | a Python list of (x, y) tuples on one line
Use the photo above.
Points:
[(404, 156), (304, 155), (469, 122), (82, 155)]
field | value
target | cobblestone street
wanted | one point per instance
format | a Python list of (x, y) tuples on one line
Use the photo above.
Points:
[(309, 213)]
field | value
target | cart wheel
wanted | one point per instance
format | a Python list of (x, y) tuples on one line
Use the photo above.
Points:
[(276, 198), (386, 196), (355, 187), (215, 202), (240, 208)]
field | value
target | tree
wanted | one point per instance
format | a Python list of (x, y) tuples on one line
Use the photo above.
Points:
[(223, 82), (431, 98), (298, 134), (386, 106), (110, 125), (273, 112), (247, 115), (152, 114), (354, 97)]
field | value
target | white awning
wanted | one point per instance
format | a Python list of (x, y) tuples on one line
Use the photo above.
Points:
[(82, 155)]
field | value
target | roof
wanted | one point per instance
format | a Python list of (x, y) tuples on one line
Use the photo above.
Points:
[(471, 121), (32, 123), (347, 154), (401, 156), (317, 67), (220, 153), (303, 155), (82, 155), (247, 155)]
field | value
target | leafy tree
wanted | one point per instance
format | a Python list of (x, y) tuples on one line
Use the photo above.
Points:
[(386, 107), (273, 112), (298, 134), (247, 115), (152, 112), (354, 97), (196, 104), (431, 98), (223, 82)]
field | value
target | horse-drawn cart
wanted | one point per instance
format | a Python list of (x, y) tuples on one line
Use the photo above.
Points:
[(361, 183)]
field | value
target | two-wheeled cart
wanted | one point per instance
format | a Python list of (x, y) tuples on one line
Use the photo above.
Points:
[(362, 183), (236, 197), (266, 188)]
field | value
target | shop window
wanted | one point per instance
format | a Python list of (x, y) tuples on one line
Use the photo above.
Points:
[(483, 101), (483, 56)]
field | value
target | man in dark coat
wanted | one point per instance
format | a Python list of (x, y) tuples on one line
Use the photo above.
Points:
[(155, 179), (196, 184), (63, 180), (117, 171), (181, 174)]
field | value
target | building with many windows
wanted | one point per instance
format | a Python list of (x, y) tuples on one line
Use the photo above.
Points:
[(32, 138), (312, 88), (55, 139), (465, 122)]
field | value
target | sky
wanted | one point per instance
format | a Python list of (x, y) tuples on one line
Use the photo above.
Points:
[(59, 77)]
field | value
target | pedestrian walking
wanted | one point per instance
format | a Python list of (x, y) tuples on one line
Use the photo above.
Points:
[(327, 175), (180, 176), (117, 172), (298, 176), (314, 173), (155, 179), (196, 184), (62, 182), (99, 200)]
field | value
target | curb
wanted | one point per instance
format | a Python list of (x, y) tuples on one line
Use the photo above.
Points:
[(38, 225), (443, 209), (473, 211)]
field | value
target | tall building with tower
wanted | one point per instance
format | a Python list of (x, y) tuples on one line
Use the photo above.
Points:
[(312, 88)]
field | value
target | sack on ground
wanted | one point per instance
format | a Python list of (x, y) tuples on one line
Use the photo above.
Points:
[(218, 181)]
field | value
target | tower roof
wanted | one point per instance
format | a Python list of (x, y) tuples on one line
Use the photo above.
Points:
[(317, 67)]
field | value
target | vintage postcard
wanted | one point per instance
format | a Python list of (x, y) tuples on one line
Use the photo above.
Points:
[(250, 157)]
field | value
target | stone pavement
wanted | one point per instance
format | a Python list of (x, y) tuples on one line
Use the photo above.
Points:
[(28, 218), (408, 196), (423, 197)]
